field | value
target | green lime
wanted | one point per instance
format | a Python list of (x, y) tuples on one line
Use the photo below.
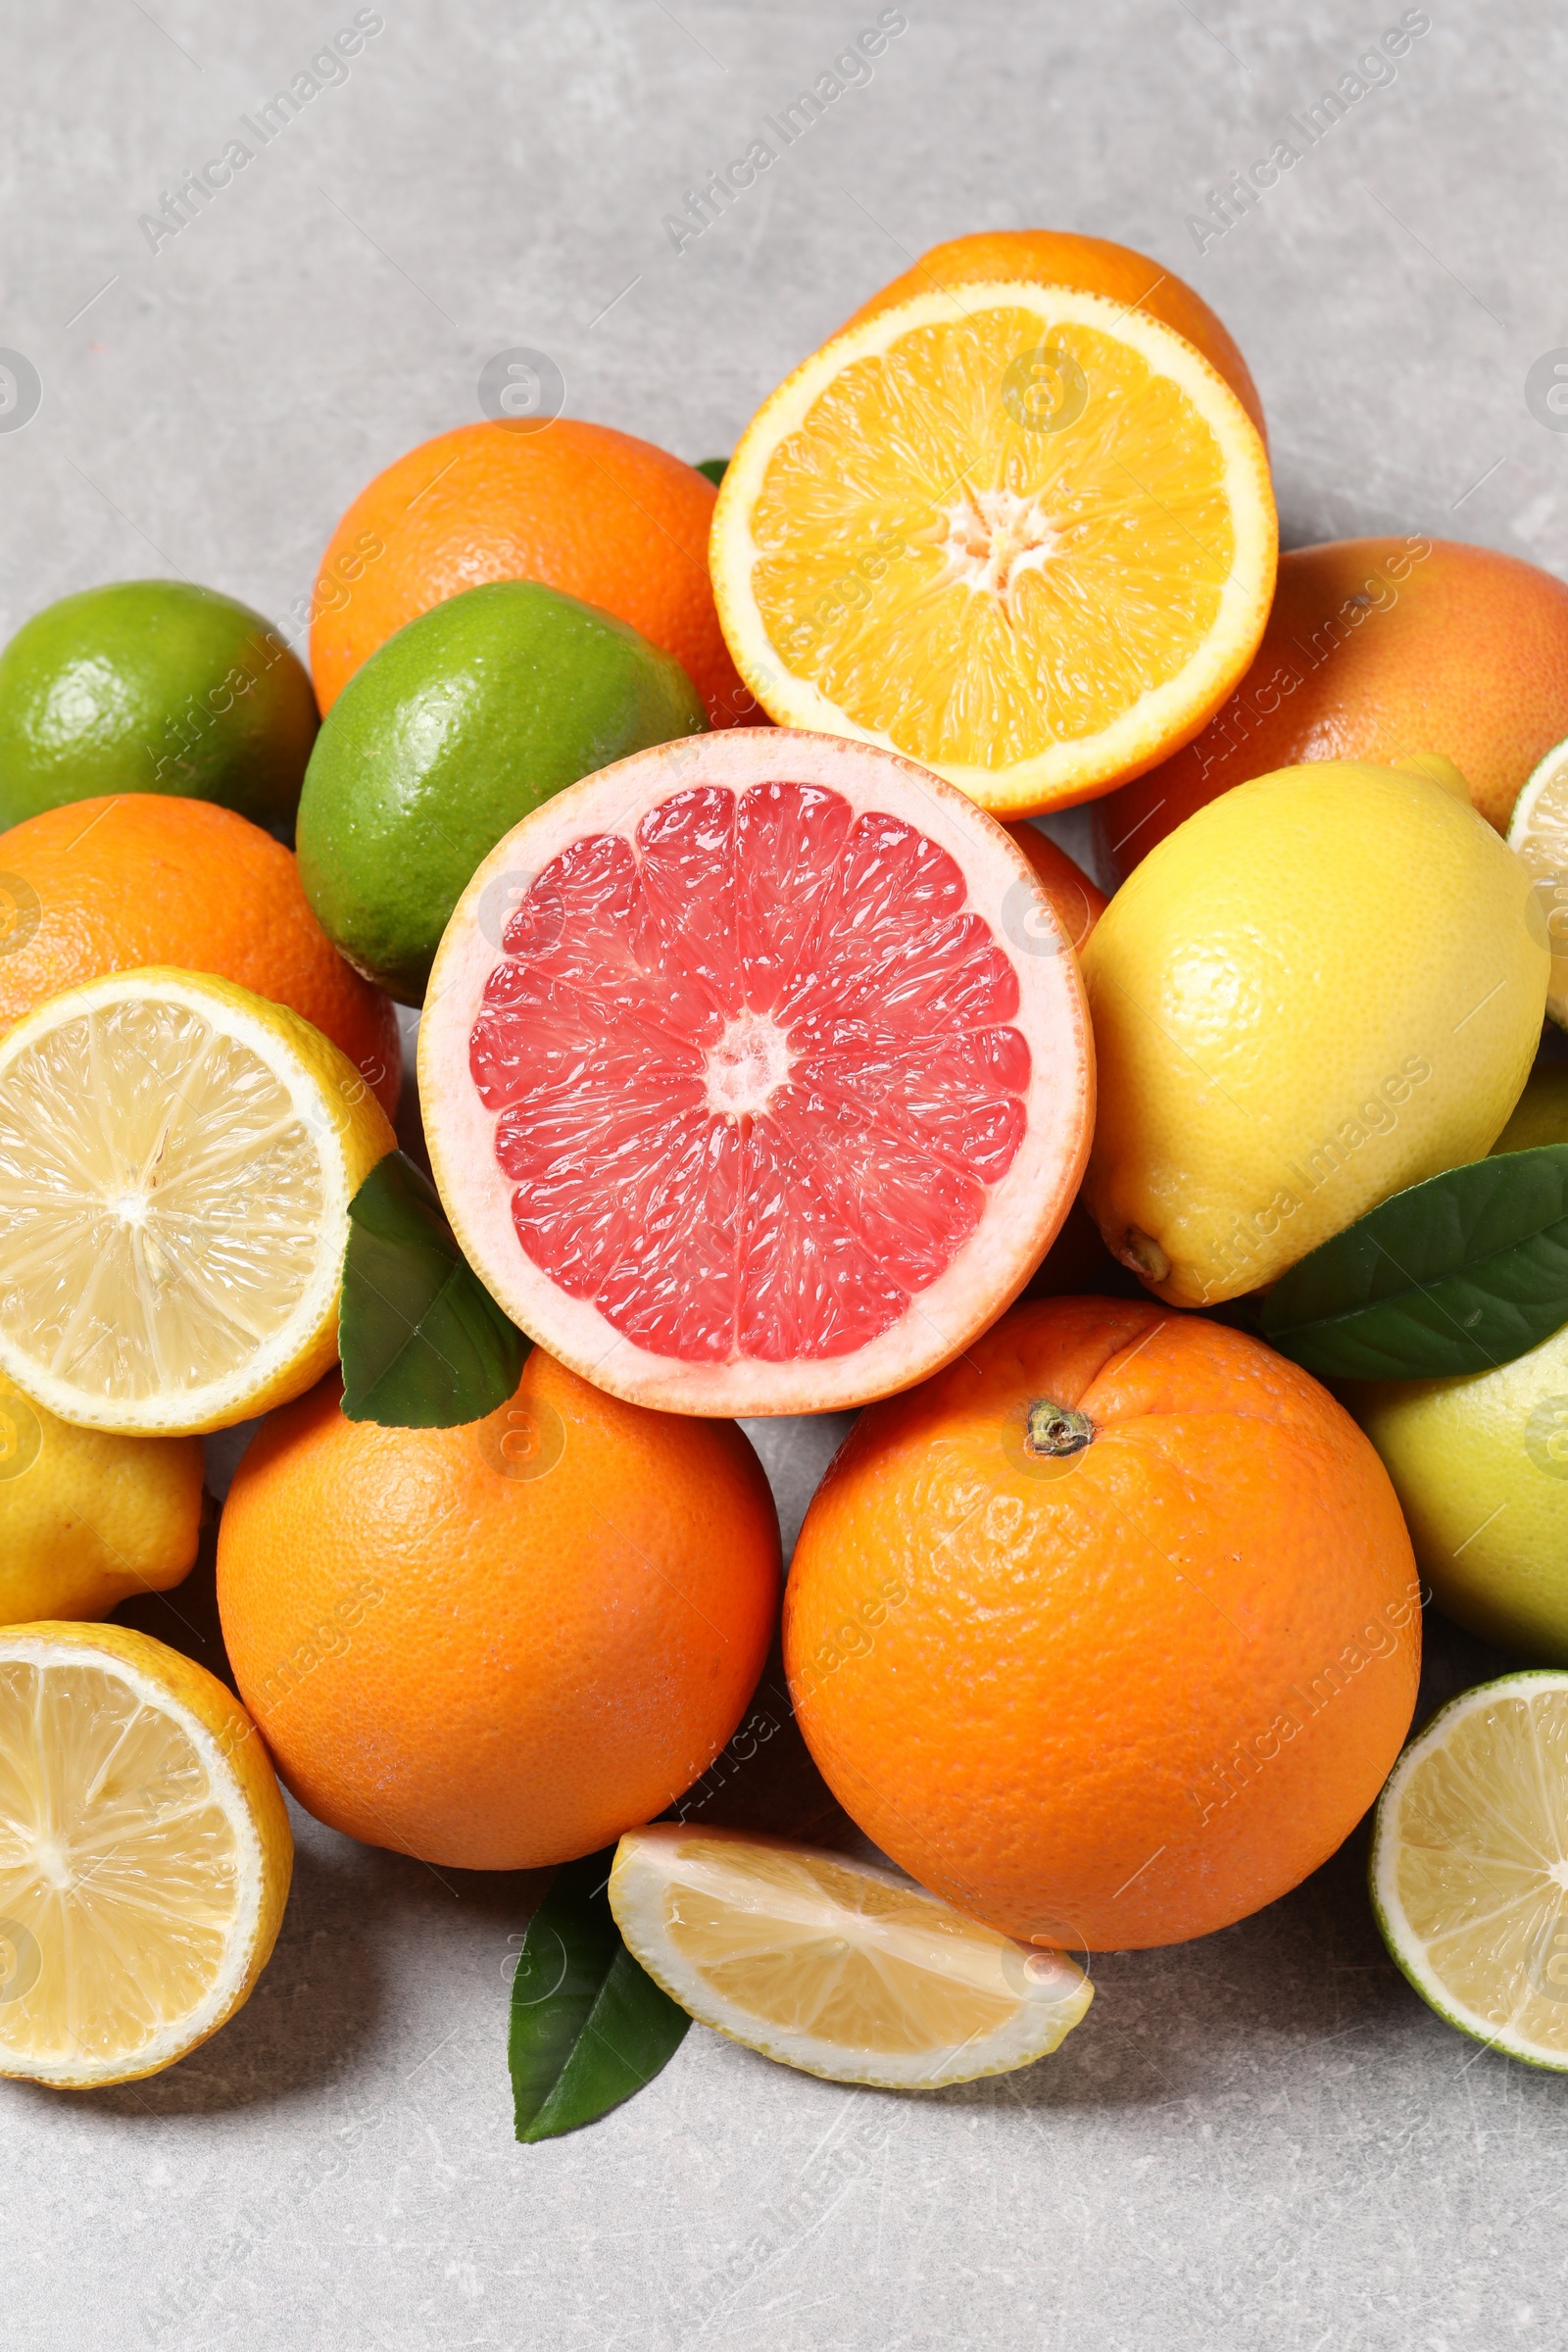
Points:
[(153, 686), (1469, 1885), (459, 725)]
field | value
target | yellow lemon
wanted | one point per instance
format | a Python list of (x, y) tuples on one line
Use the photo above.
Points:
[(1480, 1466), (87, 1517), (1325, 986), (840, 1968), (176, 1162), (1538, 831), (144, 1854)]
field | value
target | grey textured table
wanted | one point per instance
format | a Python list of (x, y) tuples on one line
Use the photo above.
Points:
[(1261, 2140)]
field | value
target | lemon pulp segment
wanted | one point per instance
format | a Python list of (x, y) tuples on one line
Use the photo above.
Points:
[(128, 1887), (161, 1200), (837, 1967)]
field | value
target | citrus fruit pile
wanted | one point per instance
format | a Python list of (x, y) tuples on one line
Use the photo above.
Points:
[(1196, 1257)]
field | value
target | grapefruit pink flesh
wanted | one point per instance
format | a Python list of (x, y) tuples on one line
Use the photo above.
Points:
[(757, 1073)]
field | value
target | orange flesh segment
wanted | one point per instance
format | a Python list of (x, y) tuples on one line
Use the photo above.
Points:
[(977, 579)]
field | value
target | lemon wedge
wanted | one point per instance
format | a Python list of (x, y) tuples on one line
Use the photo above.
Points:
[(1470, 1865), (1019, 533), (176, 1162), (144, 1854), (1538, 832), (834, 1966)]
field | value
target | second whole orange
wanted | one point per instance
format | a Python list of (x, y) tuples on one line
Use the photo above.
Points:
[(1109, 1633), (500, 1645), (597, 514)]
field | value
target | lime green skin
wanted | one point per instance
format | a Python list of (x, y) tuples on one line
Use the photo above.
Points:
[(153, 686), (1480, 1466), (459, 725)]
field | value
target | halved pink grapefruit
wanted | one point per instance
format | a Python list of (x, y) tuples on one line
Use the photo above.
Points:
[(757, 1073)]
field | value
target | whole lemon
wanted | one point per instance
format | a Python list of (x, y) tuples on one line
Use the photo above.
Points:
[(1325, 986), (87, 1517), (1480, 1466)]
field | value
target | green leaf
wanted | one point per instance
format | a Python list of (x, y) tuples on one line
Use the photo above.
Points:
[(589, 2025), (715, 468), (1459, 1274), (424, 1344)]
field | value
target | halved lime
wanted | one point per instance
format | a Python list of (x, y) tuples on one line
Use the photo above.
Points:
[(1470, 1865)]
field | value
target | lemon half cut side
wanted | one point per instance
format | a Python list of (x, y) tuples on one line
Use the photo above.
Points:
[(144, 1854), (838, 1967), (176, 1162)]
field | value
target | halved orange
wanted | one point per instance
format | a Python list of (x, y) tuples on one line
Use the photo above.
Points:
[(1016, 532)]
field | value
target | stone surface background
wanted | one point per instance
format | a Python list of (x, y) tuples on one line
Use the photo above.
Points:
[(1261, 2139)]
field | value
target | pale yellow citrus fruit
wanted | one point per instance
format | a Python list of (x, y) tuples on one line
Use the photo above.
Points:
[(1469, 1866), (176, 1162), (1323, 987), (144, 1854), (1480, 1466), (1021, 533), (1541, 1114), (1538, 831), (88, 1517), (834, 1966)]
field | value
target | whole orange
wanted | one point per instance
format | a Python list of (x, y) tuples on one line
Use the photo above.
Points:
[(132, 879), (1056, 256), (1109, 1633), (597, 514), (500, 1645), (1374, 649)]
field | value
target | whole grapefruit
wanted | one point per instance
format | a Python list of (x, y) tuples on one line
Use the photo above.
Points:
[(599, 514), (499, 1646), (1374, 649), (132, 879), (1109, 1633)]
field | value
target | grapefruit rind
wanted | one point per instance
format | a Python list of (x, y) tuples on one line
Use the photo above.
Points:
[(1024, 1209), (921, 1995), (1392, 1844), (1165, 716)]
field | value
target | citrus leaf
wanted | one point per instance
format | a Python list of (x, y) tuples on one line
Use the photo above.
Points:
[(715, 468), (1459, 1274), (424, 1344), (589, 2025)]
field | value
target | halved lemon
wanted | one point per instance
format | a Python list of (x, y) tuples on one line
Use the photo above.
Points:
[(1470, 1865), (144, 1854), (834, 1966), (1538, 831), (176, 1162), (1019, 533)]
